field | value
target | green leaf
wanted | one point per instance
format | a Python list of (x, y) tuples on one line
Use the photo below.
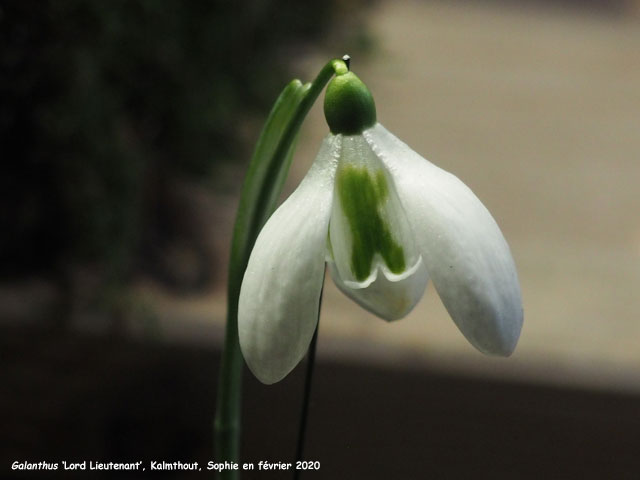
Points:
[(265, 178), (263, 184)]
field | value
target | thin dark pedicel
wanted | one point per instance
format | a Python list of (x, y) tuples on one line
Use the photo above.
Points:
[(311, 358)]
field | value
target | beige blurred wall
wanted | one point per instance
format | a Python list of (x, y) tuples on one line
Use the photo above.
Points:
[(538, 111)]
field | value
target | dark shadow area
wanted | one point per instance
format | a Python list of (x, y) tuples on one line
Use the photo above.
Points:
[(123, 124), (79, 398)]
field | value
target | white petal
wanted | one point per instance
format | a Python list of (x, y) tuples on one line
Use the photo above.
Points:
[(367, 218), (373, 258), (278, 306), (465, 253), (385, 294)]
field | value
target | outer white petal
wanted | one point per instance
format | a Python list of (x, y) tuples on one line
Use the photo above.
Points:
[(278, 306), (466, 255)]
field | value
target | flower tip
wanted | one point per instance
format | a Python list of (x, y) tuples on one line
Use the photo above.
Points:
[(502, 341), (265, 377), (267, 365), (504, 349)]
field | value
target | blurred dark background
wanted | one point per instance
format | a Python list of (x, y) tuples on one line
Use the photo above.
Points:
[(125, 132), (113, 113)]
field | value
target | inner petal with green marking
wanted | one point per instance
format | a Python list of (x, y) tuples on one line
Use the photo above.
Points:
[(361, 194), (368, 226)]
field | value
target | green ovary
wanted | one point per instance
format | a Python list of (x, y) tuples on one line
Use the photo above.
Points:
[(361, 196)]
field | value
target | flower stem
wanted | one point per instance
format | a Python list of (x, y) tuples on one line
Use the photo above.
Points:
[(304, 414), (260, 192), (290, 132)]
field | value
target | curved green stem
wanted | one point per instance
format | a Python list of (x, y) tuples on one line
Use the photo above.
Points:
[(311, 92), (263, 184)]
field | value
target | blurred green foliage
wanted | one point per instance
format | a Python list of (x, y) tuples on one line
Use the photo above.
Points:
[(103, 104)]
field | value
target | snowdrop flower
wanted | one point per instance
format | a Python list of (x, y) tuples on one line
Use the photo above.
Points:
[(385, 220)]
